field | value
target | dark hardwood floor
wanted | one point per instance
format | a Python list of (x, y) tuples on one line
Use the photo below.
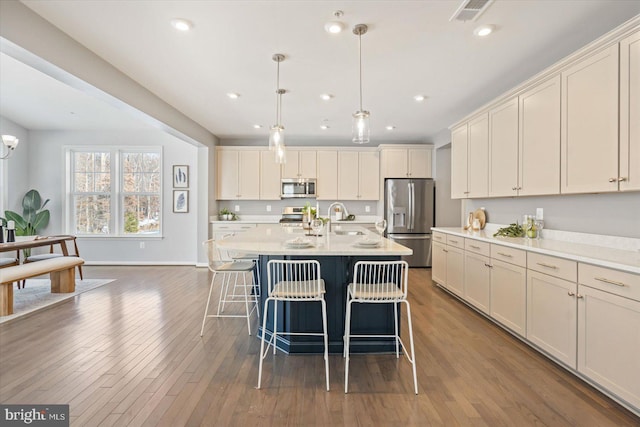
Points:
[(130, 353)]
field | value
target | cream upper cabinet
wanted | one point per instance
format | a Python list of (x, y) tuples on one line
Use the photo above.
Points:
[(524, 143), (406, 162), (238, 174), (629, 177), (478, 157), (503, 149), (539, 141), (269, 176), (300, 164), (589, 124), (358, 175), (327, 185), (459, 139)]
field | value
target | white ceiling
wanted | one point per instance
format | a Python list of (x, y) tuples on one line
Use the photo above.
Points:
[(411, 48)]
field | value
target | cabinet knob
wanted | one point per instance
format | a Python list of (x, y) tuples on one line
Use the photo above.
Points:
[(579, 296), (613, 179), (514, 188), (570, 293), (622, 179)]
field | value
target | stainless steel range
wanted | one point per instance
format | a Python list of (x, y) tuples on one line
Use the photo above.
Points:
[(292, 216)]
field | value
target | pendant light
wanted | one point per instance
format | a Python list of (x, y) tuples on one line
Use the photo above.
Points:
[(360, 127), (276, 133)]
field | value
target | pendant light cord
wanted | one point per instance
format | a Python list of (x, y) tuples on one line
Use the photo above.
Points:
[(360, 60), (278, 97)]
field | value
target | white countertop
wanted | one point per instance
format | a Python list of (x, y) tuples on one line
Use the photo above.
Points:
[(268, 239), (275, 219), (625, 260)]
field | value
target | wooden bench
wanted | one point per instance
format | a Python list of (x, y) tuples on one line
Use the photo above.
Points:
[(62, 273)]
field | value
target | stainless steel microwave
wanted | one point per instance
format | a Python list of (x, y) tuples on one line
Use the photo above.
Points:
[(298, 188)]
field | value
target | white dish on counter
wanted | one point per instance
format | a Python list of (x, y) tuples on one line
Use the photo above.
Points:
[(298, 243), (366, 242)]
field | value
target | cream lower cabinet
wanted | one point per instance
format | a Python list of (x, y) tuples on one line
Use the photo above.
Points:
[(552, 315), (477, 280), (455, 270), (609, 330), (439, 263), (509, 293)]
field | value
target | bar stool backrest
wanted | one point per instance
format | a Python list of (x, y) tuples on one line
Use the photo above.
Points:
[(215, 254), (295, 280), (380, 280)]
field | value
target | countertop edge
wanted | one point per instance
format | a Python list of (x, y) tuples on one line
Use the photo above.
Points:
[(516, 243)]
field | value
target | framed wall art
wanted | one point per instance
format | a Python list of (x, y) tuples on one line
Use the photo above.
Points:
[(181, 201), (180, 176)]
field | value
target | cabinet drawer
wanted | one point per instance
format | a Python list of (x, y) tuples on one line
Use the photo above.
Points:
[(553, 266), (510, 255), (216, 227), (439, 237), (613, 281), (455, 241), (477, 246)]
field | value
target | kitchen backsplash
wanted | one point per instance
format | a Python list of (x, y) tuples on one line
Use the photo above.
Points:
[(259, 207)]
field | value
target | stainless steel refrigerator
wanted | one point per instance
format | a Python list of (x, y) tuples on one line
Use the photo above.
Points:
[(409, 208)]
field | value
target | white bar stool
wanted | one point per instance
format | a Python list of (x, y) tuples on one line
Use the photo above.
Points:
[(220, 263), (381, 282), (293, 281)]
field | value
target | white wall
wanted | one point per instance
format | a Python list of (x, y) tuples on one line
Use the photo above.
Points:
[(16, 169), (180, 241)]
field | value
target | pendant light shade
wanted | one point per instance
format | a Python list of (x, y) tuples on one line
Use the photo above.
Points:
[(360, 127), (276, 132)]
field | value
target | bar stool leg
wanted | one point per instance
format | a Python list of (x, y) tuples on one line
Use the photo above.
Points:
[(413, 353), (326, 339), (395, 321), (246, 301), (347, 340), (206, 309)]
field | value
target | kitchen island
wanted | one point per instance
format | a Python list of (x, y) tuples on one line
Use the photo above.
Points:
[(337, 254)]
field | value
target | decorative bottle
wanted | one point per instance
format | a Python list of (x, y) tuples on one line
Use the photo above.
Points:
[(11, 231)]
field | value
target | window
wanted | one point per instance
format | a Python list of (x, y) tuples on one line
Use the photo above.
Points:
[(114, 192)]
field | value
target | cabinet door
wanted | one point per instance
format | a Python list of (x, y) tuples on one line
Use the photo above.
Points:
[(394, 163), (227, 174), (609, 342), (369, 175), (552, 316), (307, 164), (539, 148), (249, 175), (459, 139), (439, 263), (419, 162), (290, 168), (455, 270), (509, 295), (327, 175), (348, 175), (269, 176), (478, 158), (503, 149), (629, 112), (589, 138), (477, 280)]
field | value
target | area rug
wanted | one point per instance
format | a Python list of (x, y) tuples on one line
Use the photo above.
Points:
[(36, 295)]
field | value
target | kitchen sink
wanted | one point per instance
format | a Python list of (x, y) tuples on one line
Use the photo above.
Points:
[(349, 233)]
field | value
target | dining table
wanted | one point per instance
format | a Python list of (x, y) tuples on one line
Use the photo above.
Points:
[(39, 241)]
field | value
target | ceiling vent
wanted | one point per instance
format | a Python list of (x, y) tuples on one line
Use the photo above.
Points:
[(470, 10)]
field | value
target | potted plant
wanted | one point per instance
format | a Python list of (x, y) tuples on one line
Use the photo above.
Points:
[(34, 217), (225, 214)]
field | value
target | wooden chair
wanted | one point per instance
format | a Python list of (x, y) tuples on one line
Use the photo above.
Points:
[(380, 282)]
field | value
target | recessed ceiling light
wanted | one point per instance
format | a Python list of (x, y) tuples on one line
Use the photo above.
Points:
[(324, 127), (233, 95), (390, 127), (483, 30), (257, 126), (419, 98), (326, 96), (335, 27), (181, 24)]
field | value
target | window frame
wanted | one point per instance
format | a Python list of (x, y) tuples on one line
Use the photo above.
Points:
[(116, 194)]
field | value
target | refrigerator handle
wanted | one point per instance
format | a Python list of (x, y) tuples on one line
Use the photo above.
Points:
[(410, 206), (413, 205)]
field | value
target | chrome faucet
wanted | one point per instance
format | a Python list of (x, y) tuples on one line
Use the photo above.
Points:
[(344, 212)]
